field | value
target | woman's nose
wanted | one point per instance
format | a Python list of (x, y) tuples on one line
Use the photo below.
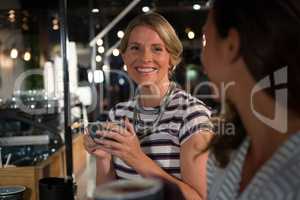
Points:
[(146, 55)]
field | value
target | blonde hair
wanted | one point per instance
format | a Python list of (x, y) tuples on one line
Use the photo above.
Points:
[(163, 28)]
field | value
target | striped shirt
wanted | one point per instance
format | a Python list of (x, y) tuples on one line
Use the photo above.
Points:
[(277, 179), (184, 116)]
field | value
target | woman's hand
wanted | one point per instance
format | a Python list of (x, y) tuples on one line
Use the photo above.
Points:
[(93, 147), (123, 143)]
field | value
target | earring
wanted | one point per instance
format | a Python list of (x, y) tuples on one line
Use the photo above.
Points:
[(172, 68), (203, 40)]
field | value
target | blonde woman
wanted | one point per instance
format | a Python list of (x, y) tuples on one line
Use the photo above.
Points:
[(165, 127)]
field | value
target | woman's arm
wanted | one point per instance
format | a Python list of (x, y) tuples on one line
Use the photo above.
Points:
[(104, 168), (193, 161), (193, 167), (150, 169), (105, 171)]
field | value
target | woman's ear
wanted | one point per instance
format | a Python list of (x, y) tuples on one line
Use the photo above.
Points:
[(233, 45)]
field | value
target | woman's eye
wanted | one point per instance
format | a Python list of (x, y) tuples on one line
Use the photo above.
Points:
[(158, 49), (134, 48)]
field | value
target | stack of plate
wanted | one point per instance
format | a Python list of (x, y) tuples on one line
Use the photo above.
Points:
[(11, 192)]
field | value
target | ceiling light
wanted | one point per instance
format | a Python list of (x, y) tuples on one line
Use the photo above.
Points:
[(98, 58), (14, 53), (191, 35), (101, 49), (196, 6), (27, 56), (11, 16), (120, 34), (11, 12), (55, 27), (145, 9), (95, 10), (99, 42), (116, 52)]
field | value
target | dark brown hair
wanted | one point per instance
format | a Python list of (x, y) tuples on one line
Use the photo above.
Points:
[(269, 33)]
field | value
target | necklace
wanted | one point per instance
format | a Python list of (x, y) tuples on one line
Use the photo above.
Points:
[(140, 129)]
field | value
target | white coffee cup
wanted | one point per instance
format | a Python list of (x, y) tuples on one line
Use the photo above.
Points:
[(139, 189)]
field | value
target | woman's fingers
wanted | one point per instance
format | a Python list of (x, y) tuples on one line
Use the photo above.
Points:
[(89, 144), (87, 141), (126, 130), (129, 126), (112, 135), (110, 144), (115, 127)]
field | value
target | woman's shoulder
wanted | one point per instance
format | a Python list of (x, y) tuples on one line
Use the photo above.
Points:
[(126, 105), (184, 97), (189, 103)]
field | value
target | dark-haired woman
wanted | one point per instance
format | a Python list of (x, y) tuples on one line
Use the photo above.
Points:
[(255, 45)]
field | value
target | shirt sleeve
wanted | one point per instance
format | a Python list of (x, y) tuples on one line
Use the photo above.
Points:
[(215, 177), (196, 119)]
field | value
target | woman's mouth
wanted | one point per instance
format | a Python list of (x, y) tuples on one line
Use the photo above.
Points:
[(146, 70)]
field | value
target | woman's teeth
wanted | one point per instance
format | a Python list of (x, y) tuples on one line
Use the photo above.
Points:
[(146, 69)]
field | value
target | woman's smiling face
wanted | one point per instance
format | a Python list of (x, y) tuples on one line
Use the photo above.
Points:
[(146, 57)]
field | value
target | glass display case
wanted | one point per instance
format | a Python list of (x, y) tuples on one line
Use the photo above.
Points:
[(32, 104)]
